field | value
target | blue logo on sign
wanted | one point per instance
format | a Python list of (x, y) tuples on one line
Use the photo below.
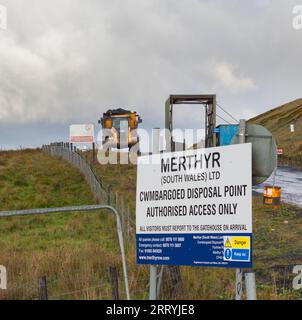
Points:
[(228, 254)]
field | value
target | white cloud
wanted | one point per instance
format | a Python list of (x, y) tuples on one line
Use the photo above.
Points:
[(227, 78)]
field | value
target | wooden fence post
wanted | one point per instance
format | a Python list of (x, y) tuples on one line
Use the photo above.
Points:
[(42, 289), (116, 201), (128, 224), (114, 282), (108, 197), (171, 282), (123, 214)]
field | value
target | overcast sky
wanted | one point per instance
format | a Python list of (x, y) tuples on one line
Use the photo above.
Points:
[(67, 61)]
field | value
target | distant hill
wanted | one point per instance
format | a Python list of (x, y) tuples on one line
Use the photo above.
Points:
[(278, 121)]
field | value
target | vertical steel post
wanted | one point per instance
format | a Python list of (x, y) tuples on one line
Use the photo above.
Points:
[(123, 254), (238, 287), (153, 268), (250, 285), (242, 131), (168, 124)]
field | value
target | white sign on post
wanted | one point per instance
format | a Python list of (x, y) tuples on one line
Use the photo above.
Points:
[(81, 133), (195, 207)]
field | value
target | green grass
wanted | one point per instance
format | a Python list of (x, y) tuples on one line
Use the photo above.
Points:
[(75, 250), (30, 179), (66, 247)]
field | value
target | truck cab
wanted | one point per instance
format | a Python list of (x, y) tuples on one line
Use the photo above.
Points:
[(123, 125)]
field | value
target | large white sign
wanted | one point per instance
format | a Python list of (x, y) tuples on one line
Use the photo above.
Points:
[(81, 133), (198, 197)]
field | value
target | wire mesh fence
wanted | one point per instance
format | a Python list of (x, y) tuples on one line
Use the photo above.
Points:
[(87, 273), (76, 158), (177, 283), (291, 161)]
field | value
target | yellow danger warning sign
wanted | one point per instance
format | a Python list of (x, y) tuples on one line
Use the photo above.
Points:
[(241, 242), (228, 243), (237, 242)]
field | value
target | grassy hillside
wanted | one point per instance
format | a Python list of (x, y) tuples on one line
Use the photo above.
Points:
[(64, 247), (278, 121), (30, 179), (75, 251)]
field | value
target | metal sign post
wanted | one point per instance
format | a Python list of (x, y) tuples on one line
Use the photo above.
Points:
[(238, 286), (250, 281), (250, 285), (153, 268)]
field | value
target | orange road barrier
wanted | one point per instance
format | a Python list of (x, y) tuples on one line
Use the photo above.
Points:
[(272, 196)]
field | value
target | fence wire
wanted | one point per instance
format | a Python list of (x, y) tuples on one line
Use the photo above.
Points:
[(69, 153), (94, 282)]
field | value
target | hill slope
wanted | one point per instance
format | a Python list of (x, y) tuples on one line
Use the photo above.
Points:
[(65, 247), (31, 179), (278, 121), (75, 251)]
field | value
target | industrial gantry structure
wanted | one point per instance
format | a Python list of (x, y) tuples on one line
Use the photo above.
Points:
[(209, 104)]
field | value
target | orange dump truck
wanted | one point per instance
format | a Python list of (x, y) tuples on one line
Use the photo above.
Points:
[(122, 125)]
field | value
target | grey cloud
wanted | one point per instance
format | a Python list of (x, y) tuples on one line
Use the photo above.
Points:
[(67, 61)]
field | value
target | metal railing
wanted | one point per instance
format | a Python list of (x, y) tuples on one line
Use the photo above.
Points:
[(80, 209)]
